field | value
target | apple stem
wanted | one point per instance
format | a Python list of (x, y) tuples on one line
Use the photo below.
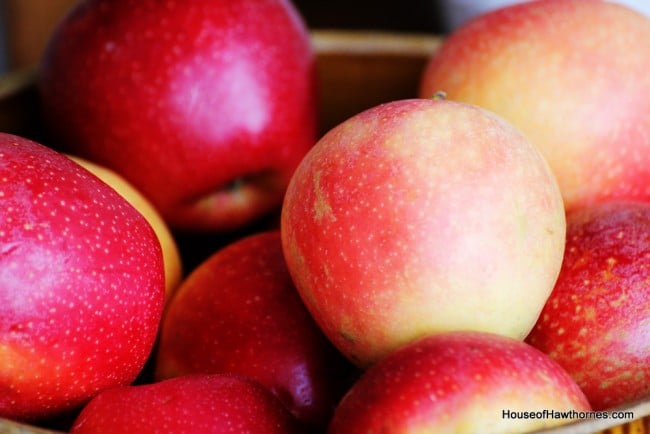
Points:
[(439, 96)]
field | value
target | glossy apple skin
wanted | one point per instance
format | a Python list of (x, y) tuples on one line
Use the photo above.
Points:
[(206, 107), (596, 323), (457, 382), (171, 255), (240, 312), (421, 216), (572, 75), (211, 404), (81, 283)]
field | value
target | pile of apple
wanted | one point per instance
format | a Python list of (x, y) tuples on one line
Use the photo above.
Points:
[(431, 264)]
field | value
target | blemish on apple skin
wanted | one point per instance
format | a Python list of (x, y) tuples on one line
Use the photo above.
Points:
[(608, 274), (8, 249), (322, 207), (620, 301), (347, 337)]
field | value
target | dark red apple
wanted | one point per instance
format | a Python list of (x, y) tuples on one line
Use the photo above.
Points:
[(206, 107), (81, 283), (209, 404), (469, 382), (596, 323), (239, 312)]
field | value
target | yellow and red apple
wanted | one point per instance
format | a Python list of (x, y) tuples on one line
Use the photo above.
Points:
[(422, 216), (572, 75)]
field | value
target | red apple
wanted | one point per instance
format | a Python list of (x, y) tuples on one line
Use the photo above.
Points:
[(210, 404), (171, 255), (81, 283), (421, 216), (239, 312), (596, 323), (206, 107), (572, 75), (460, 382)]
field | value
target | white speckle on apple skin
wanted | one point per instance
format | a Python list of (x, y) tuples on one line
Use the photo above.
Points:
[(81, 283)]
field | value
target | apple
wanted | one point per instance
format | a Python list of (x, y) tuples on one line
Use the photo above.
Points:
[(171, 255), (239, 312), (420, 216), (596, 322), (460, 382), (210, 404), (81, 283), (573, 77), (206, 107)]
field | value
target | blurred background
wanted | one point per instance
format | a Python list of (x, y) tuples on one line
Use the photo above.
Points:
[(25, 25)]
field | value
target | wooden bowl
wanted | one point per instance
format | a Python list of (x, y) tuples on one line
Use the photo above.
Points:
[(357, 70)]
